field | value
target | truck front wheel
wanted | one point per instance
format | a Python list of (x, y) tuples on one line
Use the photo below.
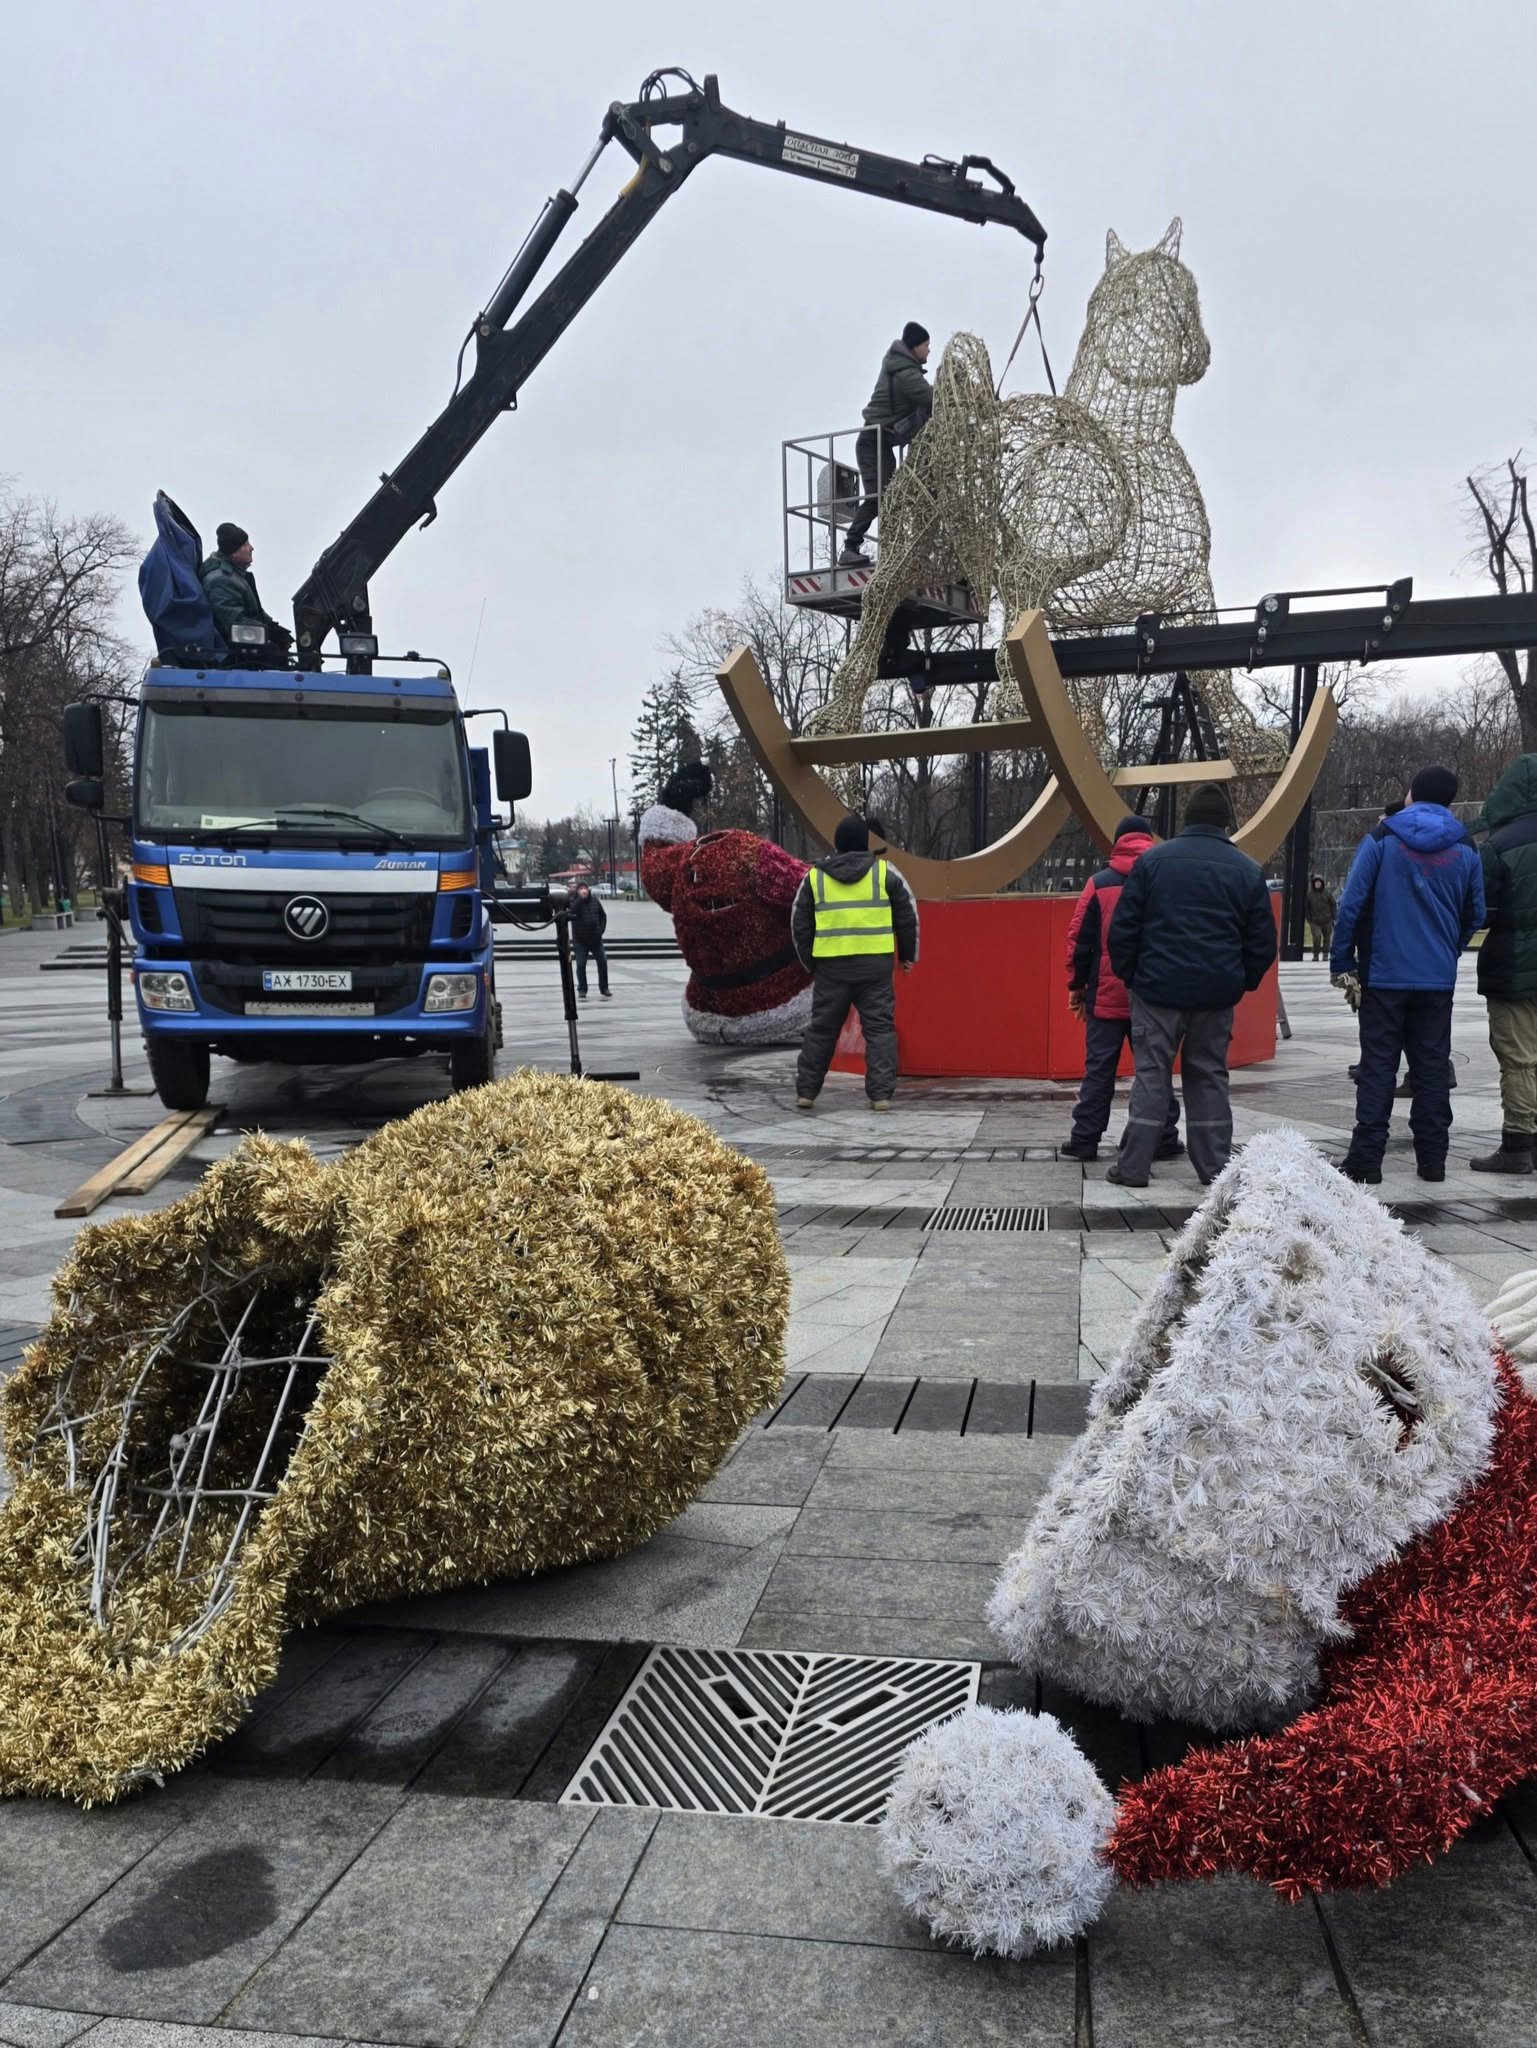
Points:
[(179, 1071), (472, 1061)]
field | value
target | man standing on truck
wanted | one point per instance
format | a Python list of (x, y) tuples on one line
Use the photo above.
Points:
[(899, 406), (231, 588), (589, 921)]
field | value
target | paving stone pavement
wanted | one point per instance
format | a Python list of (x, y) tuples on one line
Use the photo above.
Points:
[(379, 1854)]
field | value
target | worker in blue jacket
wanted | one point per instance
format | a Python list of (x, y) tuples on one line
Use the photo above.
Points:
[(1413, 899)]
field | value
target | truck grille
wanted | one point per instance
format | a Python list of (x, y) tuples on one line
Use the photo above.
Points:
[(245, 928)]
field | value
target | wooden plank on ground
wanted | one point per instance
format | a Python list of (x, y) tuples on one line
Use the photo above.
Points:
[(176, 1147), (139, 1165)]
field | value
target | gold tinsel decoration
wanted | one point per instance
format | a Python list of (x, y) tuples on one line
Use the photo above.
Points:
[(539, 1315)]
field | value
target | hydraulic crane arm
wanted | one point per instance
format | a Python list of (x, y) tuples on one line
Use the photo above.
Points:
[(335, 594)]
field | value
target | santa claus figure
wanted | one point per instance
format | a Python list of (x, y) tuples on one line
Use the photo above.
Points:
[(1305, 1506), (729, 896)]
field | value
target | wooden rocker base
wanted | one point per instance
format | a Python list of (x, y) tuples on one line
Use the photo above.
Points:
[(820, 808), (1079, 785), (1093, 794)]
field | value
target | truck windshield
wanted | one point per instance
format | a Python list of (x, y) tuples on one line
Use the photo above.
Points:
[(300, 771)]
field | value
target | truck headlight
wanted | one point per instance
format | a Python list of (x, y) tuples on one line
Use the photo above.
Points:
[(248, 633), (450, 992), (166, 992)]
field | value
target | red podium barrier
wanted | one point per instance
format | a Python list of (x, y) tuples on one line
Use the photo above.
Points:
[(988, 997)]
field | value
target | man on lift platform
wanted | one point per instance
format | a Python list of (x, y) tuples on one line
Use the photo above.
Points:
[(899, 406)]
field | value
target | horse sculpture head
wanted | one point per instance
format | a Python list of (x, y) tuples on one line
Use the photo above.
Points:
[(1144, 326)]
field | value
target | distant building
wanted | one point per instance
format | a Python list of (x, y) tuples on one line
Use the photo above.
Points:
[(595, 875)]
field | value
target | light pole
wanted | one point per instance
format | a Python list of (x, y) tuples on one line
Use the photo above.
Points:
[(613, 830)]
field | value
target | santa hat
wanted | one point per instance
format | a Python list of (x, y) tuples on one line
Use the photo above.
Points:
[(1306, 1500), (670, 822), (661, 825)]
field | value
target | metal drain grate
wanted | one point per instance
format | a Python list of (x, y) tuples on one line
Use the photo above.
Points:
[(1016, 1219), (774, 1734)]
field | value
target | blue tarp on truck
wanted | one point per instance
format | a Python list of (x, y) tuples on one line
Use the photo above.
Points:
[(171, 588)]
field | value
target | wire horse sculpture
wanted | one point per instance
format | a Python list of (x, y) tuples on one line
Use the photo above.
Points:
[(1083, 506)]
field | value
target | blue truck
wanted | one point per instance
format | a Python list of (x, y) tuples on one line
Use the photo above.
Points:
[(312, 870)]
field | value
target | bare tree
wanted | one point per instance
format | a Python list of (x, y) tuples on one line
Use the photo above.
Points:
[(798, 651), (59, 579), (1506, 535), (1268, 691)]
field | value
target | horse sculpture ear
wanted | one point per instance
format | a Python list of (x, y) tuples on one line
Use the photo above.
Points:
[(1171, 237), (1115, 249)]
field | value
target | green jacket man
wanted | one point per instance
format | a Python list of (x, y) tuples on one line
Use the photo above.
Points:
[(231, 588), (899, 407), (903, 397)]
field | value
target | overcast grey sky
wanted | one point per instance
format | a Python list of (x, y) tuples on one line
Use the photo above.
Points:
[(244, 242)]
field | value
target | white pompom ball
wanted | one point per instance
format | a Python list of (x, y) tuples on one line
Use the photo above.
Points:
[(995, 1832)]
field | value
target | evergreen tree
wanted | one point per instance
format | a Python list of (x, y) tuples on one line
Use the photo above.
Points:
[(665, 736)]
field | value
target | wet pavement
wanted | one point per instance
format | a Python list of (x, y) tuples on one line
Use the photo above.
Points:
[(381, 1852)]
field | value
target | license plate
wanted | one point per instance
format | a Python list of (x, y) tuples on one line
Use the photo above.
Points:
[(309, 1009), (306, 981)]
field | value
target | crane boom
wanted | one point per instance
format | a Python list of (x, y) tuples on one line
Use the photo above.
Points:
[(334, 596)]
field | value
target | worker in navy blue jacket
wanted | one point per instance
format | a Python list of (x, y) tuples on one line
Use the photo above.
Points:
[(1413, 899), (1192, 931)]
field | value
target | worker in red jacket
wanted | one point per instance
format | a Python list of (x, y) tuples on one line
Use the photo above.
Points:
[(1099, 997)]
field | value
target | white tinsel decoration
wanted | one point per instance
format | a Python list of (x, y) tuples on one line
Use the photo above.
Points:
[(1305, 1390), (1513, 1313), (781, 1025), (995, 1830), (663, 826)]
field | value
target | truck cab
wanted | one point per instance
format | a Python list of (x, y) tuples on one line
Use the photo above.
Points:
[(311, 861)]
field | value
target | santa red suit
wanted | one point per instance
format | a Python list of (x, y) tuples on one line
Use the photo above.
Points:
[(729, 896)]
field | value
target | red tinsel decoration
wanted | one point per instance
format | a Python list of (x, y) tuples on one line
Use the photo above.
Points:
[(1424, 1718), (730, 895)]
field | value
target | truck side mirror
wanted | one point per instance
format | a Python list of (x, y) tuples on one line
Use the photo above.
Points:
[(514, 766), (85, 793), (85, 751)]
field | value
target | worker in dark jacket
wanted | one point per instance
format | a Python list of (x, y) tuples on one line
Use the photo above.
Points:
[(1320, 910), (1413, 898), (1097, 994), (899, 406), (1507, 960), (589, 921), (231, 588), (1192, 932), (853, 915)]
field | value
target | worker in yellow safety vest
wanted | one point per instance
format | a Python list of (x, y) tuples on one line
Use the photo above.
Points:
[(853, 919)]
